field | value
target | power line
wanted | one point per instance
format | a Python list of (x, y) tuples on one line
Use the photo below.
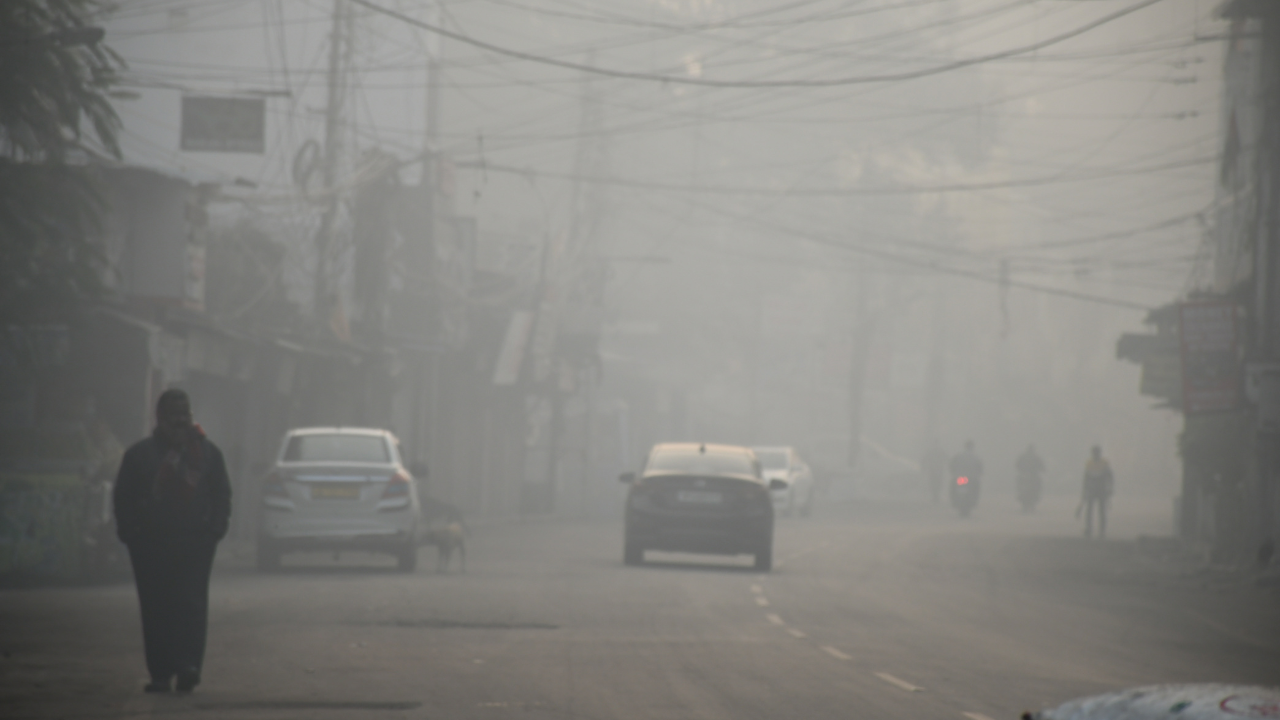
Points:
[(936, 264), (647, 127), (706, 82), (1119, 234), (905, 190), (933, 264), (734, 22)]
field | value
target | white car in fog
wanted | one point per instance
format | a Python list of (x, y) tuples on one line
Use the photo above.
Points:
[(784, 463), (335, 489)]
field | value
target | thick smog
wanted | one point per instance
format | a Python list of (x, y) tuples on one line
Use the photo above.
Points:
[(640, 359)]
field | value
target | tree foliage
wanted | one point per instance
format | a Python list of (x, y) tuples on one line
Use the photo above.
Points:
[(54, 78), (54, 74), (48, 261)]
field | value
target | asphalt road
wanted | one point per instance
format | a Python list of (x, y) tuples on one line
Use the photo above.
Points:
[(877, 609)]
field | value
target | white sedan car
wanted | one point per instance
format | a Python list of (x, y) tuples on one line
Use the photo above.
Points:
[(783, 463), (337, 489)]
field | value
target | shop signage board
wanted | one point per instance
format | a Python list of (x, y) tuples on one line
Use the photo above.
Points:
[(224, 124), (1212, 377)]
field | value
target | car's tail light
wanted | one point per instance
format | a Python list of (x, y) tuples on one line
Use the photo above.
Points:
[(273, 487), (962, 481), (397, 486)]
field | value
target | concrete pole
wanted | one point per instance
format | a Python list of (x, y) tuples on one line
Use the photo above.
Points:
[(339, 43)]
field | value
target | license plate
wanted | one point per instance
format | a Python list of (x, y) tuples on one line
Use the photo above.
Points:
[(335, 492), (699, 497)]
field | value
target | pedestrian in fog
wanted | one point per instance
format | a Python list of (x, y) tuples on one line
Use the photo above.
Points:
[(1098, 485), (172, 505)]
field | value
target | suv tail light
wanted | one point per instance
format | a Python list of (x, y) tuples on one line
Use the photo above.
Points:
[(397, 486), (962, 481)]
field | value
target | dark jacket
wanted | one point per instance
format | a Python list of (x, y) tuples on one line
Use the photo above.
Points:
[(191, 503), (1029, 464), (966, 464), (1098, 480)]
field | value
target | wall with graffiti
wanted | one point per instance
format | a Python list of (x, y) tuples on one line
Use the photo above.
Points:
[(41, 523)]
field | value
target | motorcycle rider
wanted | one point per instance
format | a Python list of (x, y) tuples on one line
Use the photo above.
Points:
[(1030, 469), (967, 464)]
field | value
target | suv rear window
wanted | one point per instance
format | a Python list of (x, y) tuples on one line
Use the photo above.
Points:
[(697, 463), (336, 448)]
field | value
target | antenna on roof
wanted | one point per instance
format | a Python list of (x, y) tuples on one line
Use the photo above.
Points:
[(702, 448)]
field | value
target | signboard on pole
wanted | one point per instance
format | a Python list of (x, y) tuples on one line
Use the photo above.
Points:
[(224, 124), (1211, 372)]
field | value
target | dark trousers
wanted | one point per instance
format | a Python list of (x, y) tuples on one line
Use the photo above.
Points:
[(1099, 501), (173, 593)]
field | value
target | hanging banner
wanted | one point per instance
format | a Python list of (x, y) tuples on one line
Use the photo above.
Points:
[(1211, 371), (224, 124)]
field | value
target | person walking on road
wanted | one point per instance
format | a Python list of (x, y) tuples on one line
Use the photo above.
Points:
[(1098, 485), (172, 505)]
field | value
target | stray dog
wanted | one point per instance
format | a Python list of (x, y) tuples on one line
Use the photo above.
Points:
[(447, 531), (447, 539)]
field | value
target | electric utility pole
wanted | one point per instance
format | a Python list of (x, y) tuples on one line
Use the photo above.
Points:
[(426, 400), (340, 37), (582, 281)]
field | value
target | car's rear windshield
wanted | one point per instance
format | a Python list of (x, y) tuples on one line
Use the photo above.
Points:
[(772, 459), (694, 462), (336, 447)]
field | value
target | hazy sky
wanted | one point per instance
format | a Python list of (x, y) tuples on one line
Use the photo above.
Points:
[(1091, 155)]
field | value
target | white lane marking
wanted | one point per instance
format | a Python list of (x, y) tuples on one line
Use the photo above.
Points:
[(975, 716), (796, 633), (757, 589), (836, 653), (762, 601), (773, 618), (899, 682)]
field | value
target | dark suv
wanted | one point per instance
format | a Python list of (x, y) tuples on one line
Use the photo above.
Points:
[(699, 498)]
